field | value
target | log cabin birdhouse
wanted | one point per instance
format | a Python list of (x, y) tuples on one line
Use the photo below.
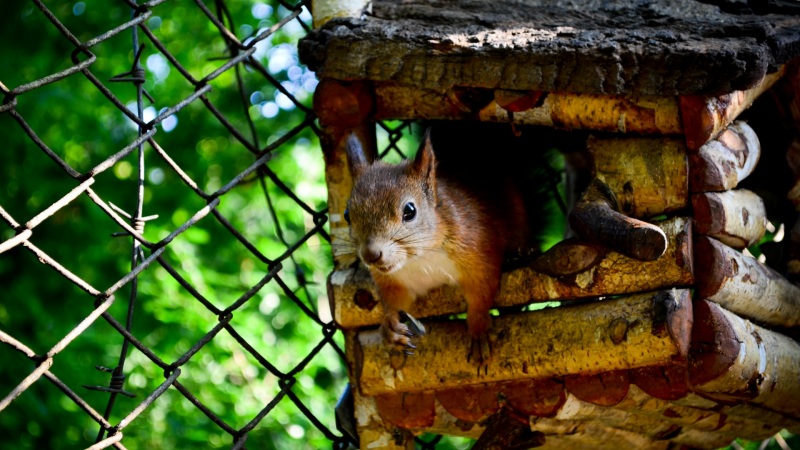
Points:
[(670, 333)]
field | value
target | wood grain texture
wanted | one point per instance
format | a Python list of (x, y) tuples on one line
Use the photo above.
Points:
[(648, 176), (662, 48), (737, 218), (571, 111), (720, 164), (633, 331), (745, 286), (734, 360)]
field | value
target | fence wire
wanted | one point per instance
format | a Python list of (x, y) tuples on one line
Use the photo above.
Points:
[(120, 403)]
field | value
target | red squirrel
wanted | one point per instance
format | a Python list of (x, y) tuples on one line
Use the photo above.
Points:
[(416, 229)]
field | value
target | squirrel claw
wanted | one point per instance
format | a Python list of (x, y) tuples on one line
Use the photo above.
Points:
[(480, 353)]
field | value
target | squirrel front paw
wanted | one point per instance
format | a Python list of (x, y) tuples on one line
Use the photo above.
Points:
[(480, 353), (398, 334)]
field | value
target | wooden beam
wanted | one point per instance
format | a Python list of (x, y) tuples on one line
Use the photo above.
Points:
[(737, 218), (705, 117), (720, 164), (633, 331), (637, 401), (733, 360), (571, 111), (353, 292), (745, 286)]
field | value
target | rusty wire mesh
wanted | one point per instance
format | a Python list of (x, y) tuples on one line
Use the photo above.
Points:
[(126, 316)]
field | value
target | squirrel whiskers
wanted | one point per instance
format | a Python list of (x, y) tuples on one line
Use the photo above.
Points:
[(416, 229)]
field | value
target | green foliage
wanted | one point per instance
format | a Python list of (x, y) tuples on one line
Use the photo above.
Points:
[(39, 307)]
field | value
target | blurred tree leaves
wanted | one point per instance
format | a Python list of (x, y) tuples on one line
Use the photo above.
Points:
[(39, 307)]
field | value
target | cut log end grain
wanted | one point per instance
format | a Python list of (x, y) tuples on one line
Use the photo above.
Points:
[(745, 286), (713, 346), (705, 117), (737, 218), (722, 163), (663, 382), (605, 389), (407, 410)]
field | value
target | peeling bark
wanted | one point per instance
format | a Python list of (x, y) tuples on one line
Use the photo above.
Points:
[(635, 331), (745, 286)]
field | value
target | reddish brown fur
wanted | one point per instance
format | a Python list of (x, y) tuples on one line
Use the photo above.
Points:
[(469, 227)]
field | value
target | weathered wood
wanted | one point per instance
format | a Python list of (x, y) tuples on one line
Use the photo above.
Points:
[(737, 218), (637, 401), (353, 293), (734, 360), (705, 117), (470, 403), (651, 426), (648, 176), (343, 108), (373, 432), (720, 164), (569, 257), (540, 397), (633, 331), (580, 435), (605, 388), (743, 285), (619, 114), (663, 48), (407, 409), (325, 10), (595, 218), (662, 382)]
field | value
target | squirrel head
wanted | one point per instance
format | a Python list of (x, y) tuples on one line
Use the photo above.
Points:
[(392, 208)]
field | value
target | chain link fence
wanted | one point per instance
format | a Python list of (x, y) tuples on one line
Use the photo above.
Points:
[(165, 250), (205, 322)]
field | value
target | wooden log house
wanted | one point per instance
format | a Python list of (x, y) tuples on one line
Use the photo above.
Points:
[(694, 340)]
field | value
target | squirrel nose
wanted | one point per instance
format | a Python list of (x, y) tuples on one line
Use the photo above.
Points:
[(371, 254)]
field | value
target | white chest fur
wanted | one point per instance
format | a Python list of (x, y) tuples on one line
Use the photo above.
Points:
[(427, 271)]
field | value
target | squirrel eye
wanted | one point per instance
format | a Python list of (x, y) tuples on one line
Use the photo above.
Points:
[(347, 215), (409, 212)]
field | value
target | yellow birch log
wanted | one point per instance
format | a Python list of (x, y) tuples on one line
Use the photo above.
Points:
[(702, 420), (648, 176), (634, 331), (578, 435), (705, 117), (640, 115), (732, 359), (720, 164), (354, 294), (671, 383), (737, 218), (745, 286), (648, 425)]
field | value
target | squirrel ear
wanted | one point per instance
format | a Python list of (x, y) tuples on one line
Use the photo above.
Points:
[(425, 163), (356, 158)]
